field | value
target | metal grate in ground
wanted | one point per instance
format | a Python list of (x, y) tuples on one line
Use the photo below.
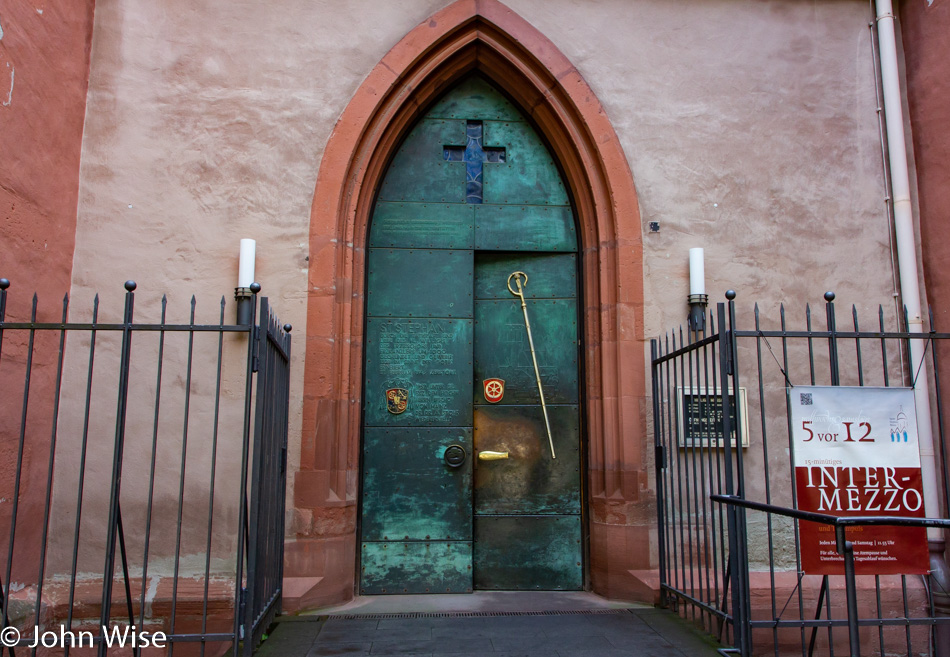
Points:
[(473, 614)]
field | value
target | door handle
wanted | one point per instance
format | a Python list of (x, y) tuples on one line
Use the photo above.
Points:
[(492, 456)]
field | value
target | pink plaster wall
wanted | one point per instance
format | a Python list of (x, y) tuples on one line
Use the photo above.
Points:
[(750, 129)]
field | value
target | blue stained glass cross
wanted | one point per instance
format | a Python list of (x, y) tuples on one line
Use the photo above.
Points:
[(474, 156)]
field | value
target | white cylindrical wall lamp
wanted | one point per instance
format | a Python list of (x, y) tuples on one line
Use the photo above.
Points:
[(698, 299), (245, 290)]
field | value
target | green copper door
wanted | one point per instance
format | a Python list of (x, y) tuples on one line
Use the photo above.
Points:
[(459, 487)]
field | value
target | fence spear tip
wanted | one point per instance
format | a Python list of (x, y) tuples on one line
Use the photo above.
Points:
[(4, 283), (130, 285)]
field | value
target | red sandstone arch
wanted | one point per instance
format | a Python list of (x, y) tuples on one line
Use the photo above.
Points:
[(487, 36)]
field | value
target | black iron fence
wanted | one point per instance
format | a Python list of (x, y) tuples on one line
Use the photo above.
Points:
[(723, 446), (143, 508)]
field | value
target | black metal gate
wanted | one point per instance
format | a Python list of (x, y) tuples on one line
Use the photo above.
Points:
[(722, 438), (265, 559), (127, 449)]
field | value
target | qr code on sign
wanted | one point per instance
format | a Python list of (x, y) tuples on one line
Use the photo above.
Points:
[(806, 399)]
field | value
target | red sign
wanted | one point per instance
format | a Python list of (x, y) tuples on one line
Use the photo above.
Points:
[(494, 390), (855, 454)]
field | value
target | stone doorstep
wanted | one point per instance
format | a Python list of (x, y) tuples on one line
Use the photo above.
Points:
[(646, 585), (639, 630), (158, 604), (789, 639), (87, 603), (785, 582), (299, 593)]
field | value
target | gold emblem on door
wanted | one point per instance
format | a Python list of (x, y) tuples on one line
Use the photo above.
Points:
[(397, 399)]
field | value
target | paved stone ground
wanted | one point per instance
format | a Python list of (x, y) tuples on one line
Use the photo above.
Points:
[(644, 632)]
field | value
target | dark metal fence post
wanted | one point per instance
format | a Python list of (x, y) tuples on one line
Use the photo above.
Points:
[(4, 284), (832, 338), (240, 602), (939, 573), (47, 506), (734, 437), (731, 439), (738, 563), (108, 571), (21, 443), (846, 549), (660, 465), (253, 535)]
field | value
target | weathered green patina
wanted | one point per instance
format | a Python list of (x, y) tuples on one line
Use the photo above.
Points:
[(521, 552), (475, 99), (528, 176), (423, 225), (471, 196), (501, 346), (416, 567), (409, 494), (415, 175), (419, 283), (550, 276), (524, 228), (431, 358)]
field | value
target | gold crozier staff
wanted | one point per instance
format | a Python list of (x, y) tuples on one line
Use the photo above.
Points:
[(518, 275)]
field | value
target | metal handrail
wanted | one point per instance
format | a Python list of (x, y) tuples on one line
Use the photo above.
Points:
[(824, 518), (844, 546)]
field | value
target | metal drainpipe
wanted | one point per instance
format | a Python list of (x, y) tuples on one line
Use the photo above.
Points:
[(910, 293)]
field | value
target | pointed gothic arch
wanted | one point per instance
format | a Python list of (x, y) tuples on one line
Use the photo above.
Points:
[(466, 36)]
